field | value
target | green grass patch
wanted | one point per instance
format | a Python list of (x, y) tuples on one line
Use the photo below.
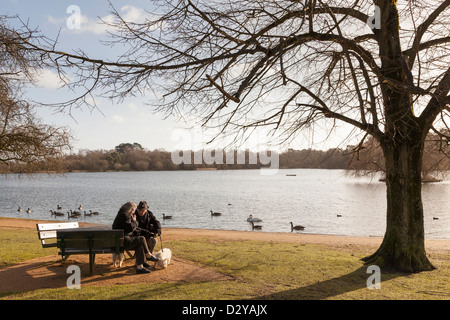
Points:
[(20, 245), (279, 270), (210, 290)]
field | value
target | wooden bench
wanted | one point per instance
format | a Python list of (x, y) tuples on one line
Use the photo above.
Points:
[(71, 239), (47, 232)]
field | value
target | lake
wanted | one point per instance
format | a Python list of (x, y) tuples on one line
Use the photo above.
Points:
[(309, 197)]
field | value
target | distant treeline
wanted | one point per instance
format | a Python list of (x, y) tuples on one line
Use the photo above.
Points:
[(365, 157), (133, 157), (143, 160)]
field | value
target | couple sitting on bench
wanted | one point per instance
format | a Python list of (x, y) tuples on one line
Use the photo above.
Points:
[(140, 227)]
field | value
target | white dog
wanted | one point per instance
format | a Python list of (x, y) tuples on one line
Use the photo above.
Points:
[(118, 259), (164, 256)]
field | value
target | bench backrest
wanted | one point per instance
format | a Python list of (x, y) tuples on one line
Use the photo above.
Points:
[(91, 240), (47, 232)]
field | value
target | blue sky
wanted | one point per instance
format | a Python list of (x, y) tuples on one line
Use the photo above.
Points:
[(112, 124)]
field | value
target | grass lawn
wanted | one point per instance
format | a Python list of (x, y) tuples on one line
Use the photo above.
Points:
[(259, 270), (20, 245)]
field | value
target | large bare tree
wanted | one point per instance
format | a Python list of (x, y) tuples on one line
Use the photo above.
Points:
[(26, 144), (381, 66)]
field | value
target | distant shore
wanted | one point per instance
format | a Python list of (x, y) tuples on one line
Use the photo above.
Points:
[(440, 245)]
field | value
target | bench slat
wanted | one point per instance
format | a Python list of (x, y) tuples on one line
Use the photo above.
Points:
[(84, 244), (99, 240), (56, 226), (96, 235), (48, 245), (84, 251), (47, 234), (47, 231)]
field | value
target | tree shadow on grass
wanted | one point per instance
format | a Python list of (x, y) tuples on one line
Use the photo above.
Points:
[(332, 287), (51, 273)]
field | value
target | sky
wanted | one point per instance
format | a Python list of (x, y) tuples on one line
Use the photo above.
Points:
[(113, 123)]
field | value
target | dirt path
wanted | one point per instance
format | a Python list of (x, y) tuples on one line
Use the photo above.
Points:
[(50, 272)]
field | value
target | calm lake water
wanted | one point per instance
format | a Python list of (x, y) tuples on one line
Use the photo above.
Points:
[(312, 198)]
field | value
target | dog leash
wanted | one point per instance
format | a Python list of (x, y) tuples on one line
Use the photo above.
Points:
[(162, 248)]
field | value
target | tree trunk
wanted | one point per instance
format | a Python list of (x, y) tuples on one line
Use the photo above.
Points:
[(403, 246)]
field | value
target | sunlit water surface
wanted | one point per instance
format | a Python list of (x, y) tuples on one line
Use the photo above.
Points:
[(312, 198)]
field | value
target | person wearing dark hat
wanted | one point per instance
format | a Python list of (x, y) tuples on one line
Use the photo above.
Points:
[(147, 221), (134, 237)]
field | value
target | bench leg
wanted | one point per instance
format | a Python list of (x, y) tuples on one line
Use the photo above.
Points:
[(91, 262)]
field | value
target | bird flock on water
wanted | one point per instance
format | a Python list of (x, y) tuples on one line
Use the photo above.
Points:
[(70, 214), (79, 212)]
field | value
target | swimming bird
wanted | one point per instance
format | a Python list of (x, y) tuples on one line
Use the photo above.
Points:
[(296, 227), (93, 212), (88, 214), (258, 227), (56, 213), (252, 219), (72, 216), (75, 213), (80, 207), (215, 213), (28, 210), (59, 207), (339, 215), (435, 218), (166, 217), (19, 210)]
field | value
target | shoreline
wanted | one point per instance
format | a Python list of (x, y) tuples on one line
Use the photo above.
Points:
[(235, 235)]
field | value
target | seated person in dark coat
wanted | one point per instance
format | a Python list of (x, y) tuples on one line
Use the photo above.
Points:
[(147, 221), (134, 237)]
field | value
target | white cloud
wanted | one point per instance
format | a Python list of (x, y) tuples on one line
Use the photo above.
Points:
[(94, 26), (132, 106), (85, 24), (47, 79), (117, 118), (133, 14), (55, 21)]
